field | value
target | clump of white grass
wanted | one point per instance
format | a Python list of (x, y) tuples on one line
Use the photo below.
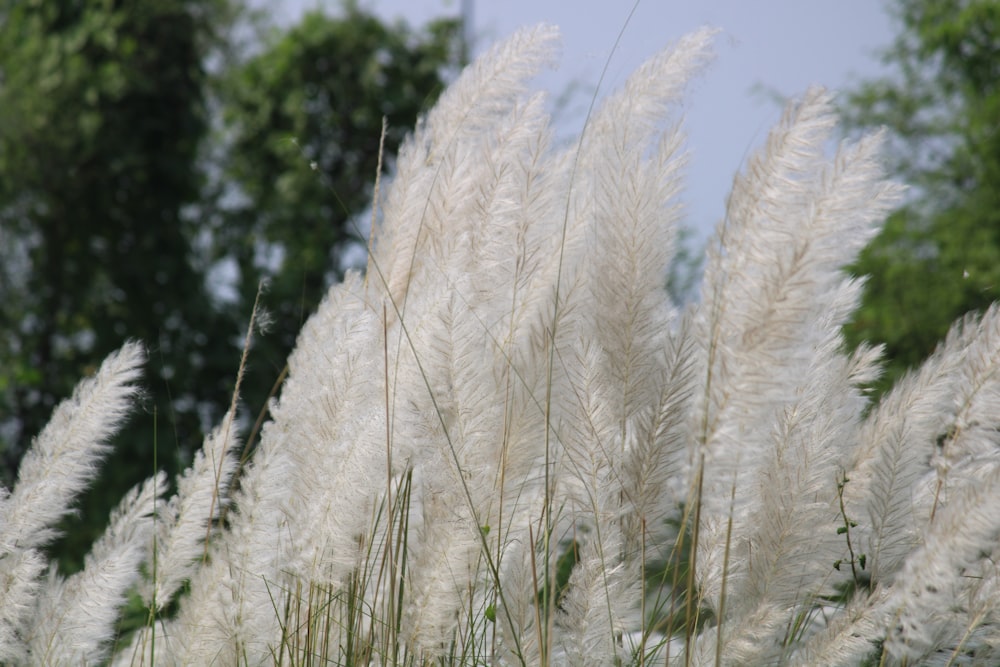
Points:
[(506, 445)]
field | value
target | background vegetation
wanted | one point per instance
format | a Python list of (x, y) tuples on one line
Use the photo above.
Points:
[(939, 254), (157, 161)]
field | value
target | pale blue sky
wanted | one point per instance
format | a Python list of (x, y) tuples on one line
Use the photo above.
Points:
[(779, 45)]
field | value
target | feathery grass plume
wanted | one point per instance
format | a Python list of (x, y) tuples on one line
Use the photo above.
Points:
[(937, 583), (977, 396), (896, 442), (183, 525), (64, 456), (305, 500), (957, 504), (243, 567), (185, 522), (76, 616), (849, 635), (925, 504), (891, 484), (60, 463), (20, 581), (243, 570), (779, 410), (472, 192), (622, 204), (332, 409), (627, 198), (744, 339), (182, 528), (418, 233), (459, 460)]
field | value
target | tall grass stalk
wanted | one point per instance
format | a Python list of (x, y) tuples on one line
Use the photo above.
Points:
[(506, 445)]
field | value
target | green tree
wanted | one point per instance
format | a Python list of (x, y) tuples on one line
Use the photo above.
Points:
[(304, 120), (102, 118), (939, 255), (114, 204)]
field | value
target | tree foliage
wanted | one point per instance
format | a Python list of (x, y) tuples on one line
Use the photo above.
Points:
[(119, 189), (939, 255), (102, 117)]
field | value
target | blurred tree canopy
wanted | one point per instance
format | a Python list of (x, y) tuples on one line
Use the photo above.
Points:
[(123, 189), (102, 116), (939, 255)]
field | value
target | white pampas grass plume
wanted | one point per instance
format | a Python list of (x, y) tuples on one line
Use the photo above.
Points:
[(431, 164), (895, 445), (770, 344), (629, 197), (64, 456), (184, 529), (76, 616), (932, 591), (20, 584), (62, 460), (185, 524)]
